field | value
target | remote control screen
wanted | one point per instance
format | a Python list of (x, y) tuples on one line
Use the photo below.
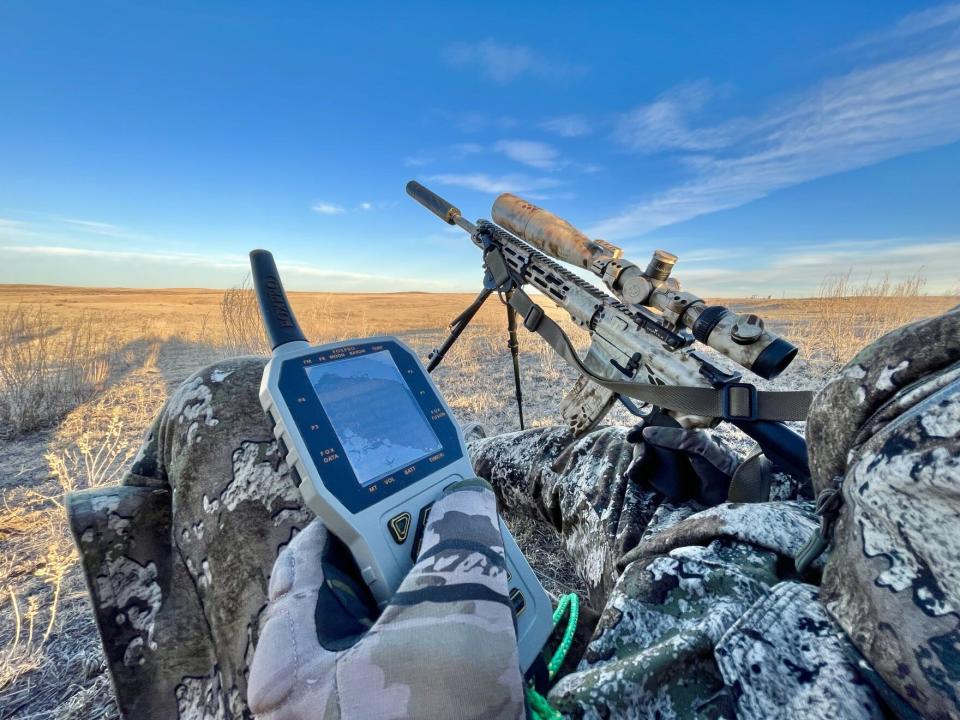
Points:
[(374, 414)]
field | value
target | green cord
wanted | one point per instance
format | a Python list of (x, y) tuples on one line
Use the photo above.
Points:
[(571, 602), (540, 707)]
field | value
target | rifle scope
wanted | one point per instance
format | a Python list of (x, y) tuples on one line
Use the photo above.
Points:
[(742, 338)]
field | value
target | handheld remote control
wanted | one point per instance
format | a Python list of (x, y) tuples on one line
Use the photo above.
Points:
[(371, 444)]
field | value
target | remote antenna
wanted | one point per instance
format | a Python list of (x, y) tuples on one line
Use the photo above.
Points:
[(278, 319)]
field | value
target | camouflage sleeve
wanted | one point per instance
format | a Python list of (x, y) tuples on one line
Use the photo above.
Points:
[(410, 662), (579, 487), (178, 558), (445, 646)]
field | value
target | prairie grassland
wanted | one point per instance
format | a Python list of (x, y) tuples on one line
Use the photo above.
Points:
[(82, 372)]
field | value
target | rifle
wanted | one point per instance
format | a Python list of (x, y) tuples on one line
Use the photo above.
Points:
[(643, 340)]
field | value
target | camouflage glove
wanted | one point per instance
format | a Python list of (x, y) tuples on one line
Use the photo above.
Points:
[(445, 646), (681, 464)]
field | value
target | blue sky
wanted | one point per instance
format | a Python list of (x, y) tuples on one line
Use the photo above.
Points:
[(767, 144)]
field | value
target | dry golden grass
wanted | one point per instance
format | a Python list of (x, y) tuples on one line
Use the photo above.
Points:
[(45, 625), (88, 369), (48, 366), (847, 316)]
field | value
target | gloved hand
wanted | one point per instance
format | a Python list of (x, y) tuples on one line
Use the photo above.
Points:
[(681, 464), (445, 646)]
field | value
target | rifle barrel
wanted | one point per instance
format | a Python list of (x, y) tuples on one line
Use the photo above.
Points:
[(446, 211)]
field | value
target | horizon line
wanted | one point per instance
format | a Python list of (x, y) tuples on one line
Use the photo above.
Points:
[(756, 296)]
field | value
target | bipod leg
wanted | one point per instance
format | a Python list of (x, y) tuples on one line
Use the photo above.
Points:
[(514, 345), (458, 325)]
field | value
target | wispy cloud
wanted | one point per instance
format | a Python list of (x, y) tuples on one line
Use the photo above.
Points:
[(664, 123), (504, 63), (101, 228), (539, 155), (340, 279), (325, 208), (45, 226), (871, 114), (568, 126), (495, 184), (72, 251), (457, 151), (918, 23), (801, 269)]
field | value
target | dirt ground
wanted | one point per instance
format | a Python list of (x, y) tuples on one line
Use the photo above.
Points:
[(50, 661)]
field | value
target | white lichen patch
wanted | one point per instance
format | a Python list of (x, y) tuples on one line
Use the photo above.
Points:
[(255, 479), (665, 517), (782, 527), (117, 523), (584, 542), (291, 516), (127, 586), (205, 579), (885, 379), (854, 372), (192, 403), (786, 660), (102, 503), (905, 506), (133, 653), (199, 699), (218, 375), (943, 419)]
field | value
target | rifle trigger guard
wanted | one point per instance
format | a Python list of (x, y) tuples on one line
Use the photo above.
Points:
[(533, 318)]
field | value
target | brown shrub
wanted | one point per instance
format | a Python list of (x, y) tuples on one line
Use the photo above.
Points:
[(846, 315), (45, 369)]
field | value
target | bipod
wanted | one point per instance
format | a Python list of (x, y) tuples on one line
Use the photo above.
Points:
[(458, 325), (514, 345)]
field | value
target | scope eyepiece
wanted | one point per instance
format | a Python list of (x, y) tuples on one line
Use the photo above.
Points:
[(774, 359), (763, 352)]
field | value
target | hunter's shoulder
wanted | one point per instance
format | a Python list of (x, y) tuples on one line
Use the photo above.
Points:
[(921, 353)]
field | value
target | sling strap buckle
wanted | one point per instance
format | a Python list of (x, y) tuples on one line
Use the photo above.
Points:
[(533, 317), (738, 401)]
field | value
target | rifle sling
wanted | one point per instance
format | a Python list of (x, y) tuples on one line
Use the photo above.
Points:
[(737, 401)]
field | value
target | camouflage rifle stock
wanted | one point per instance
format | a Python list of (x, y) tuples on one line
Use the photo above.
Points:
[(643, 341)]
